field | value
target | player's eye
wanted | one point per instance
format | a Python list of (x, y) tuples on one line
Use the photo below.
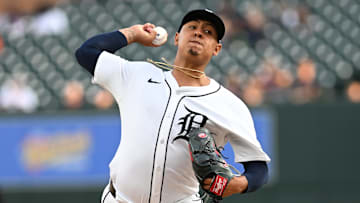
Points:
[(209, 32), (192, 27)]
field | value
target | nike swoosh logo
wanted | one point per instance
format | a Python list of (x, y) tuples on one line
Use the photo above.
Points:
[(152, 81)]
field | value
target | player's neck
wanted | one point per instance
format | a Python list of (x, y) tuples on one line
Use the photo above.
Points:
[(185, 80), (186, 77)]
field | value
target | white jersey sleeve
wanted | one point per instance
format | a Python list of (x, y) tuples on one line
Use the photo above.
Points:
[(244, 141), (112, 72), (240, 129)]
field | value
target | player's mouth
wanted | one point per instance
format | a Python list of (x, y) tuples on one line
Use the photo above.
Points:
[(195, 42)]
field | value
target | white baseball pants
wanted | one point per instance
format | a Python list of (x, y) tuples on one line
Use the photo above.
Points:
[(107, 197)]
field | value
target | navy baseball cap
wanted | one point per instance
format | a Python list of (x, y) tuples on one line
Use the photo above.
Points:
[(205, 14)]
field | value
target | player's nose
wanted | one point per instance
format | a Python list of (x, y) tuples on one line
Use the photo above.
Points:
[(197, 33)]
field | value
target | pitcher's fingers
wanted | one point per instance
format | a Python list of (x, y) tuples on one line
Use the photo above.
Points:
[(148, 27), (150, 24), (207, 181), (206, 187), (152, 33)]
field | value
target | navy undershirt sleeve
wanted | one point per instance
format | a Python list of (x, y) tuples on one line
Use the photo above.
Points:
[(91, 49), (256, 172)]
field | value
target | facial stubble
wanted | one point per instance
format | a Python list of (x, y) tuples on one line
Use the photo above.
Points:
[(193, 52)]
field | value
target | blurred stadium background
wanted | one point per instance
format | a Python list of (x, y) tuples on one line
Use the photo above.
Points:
[(295, 63)]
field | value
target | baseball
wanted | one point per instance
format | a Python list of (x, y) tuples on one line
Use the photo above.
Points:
[(161, 36)]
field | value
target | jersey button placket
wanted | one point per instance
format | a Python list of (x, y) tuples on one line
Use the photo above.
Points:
[(161, 149)]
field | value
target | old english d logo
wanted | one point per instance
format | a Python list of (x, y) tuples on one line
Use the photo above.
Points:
[(191, 120)]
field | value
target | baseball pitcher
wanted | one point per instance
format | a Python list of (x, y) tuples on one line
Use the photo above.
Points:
[(174, 123)]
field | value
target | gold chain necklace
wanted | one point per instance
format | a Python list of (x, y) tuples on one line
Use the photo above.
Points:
[(168, 66)]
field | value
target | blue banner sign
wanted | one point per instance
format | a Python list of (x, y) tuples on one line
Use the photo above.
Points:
[(75, 149), (57, 150)]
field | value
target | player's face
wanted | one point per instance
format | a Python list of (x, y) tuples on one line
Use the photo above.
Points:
[(198, 38)]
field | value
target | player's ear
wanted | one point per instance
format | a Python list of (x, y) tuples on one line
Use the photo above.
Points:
[(217, 49), (176, 39)]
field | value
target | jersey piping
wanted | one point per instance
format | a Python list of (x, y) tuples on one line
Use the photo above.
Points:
[(105, 197), (157, 139)]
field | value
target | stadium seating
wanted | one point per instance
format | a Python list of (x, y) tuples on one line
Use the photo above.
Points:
[(331, 38)]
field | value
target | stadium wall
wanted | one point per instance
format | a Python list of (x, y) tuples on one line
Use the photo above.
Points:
[(315, 148)]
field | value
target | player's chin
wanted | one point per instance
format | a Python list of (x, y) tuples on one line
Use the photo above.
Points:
[(194, 51)]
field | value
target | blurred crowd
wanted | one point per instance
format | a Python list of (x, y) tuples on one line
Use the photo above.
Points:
[(43, 20), (269, 83), (273, 85), (74, 97), (40, 18), (16, 96)]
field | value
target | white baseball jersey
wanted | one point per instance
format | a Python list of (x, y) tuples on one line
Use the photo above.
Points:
[(148, 165)]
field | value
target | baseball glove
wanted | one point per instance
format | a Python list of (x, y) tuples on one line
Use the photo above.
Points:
[(205, 196), (208, 162)]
